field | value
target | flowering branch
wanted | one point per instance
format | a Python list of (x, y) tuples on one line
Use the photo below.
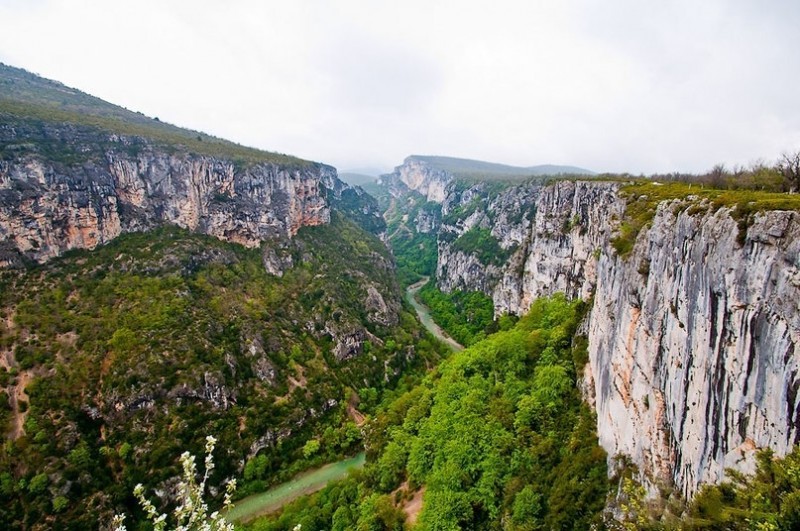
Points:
[(191, 514)]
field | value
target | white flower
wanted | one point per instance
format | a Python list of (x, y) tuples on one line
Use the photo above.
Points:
[(192, 511), (118, 522)]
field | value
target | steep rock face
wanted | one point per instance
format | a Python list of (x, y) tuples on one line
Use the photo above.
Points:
[(552, 235), (693, 345), (692, 336), (354, 203), (573, 224), (416, 175), (507, 217), (48, 207)]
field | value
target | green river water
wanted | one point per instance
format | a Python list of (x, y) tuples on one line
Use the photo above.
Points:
[(306, 483), (313, 480)]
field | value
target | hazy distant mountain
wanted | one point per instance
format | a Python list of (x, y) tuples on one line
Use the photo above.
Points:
[(357, 179), (431, 176), (468, 167), (26, 97), (367, 170)]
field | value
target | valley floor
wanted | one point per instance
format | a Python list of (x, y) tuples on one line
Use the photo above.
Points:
[(306, 483), (425, 316)]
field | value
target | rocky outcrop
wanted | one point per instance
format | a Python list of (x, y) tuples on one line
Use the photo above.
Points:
[(415, 174), (693, 344), (431, 176), (552, 235), (692, 336), (48, 206)]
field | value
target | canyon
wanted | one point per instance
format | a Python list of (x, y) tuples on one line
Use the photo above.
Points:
[(692, 329), (693, 334), (47, 208)]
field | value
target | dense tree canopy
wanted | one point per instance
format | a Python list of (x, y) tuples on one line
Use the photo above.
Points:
[(498, 433)]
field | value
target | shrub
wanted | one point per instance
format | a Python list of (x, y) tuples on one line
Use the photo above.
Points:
[(192, 510)]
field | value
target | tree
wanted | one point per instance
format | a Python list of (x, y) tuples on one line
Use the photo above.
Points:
[(718, 176), (311, 448), (789, 164)]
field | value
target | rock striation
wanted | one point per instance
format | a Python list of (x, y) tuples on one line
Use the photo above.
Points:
[(550, 233), (693, 336), (48, 206), (693, 344)]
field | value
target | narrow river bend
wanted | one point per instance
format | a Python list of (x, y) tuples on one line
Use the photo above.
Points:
[(313, 480), (425, 316)]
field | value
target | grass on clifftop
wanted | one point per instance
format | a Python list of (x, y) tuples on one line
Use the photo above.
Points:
[(31, 100), (158, 132), (644, 197)]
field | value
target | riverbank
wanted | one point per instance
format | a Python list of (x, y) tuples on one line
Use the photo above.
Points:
[(425, 316), (312, 481), (306, 483)]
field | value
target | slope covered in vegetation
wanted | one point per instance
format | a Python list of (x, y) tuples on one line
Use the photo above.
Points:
[(132, 353), (414, 251), (497, 437), (467, 316), (33, 103)]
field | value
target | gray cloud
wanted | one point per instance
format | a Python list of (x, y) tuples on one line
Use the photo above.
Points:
[(620, 85)]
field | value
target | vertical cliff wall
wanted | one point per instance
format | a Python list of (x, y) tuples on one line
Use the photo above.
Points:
[(693, 344), (551, 234), (571, 227), (692, 336), (48, 206)]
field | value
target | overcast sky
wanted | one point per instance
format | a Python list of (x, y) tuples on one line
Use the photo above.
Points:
[(610, 85)]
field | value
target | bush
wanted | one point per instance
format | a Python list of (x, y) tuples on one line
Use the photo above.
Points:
[(192, 510), (480, 243), (311, 448)]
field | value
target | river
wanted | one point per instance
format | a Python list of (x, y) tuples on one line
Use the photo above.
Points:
[(311, 481), (308, 482), (425, 316)]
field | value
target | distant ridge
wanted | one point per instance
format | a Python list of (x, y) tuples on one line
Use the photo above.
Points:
[(27, 97), (471, 168), (357, 179)]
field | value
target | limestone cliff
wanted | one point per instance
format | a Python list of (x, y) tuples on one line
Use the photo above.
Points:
[(77, 171), (693, 344), (48, 206), (692, 335), (431, 176), (551, 235), (415, 174)]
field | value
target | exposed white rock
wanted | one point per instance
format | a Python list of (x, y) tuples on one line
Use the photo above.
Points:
[(45, 210), (556, 233), (417, 175), (692, 336), (693, 345), (421, 178), (573, 224)]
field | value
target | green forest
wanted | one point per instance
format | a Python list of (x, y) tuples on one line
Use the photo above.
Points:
[(496, 434), (415, 252), (118, 364), (467, 316), (135, 351), (497, 437)]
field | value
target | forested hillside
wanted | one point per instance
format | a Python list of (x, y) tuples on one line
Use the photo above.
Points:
[(496, 437), (122, 358)]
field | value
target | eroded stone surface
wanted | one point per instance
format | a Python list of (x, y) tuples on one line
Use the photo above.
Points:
[(692, 336), (47, 208)]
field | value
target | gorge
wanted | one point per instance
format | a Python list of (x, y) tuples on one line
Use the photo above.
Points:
[(157, 282), (692, 333)]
